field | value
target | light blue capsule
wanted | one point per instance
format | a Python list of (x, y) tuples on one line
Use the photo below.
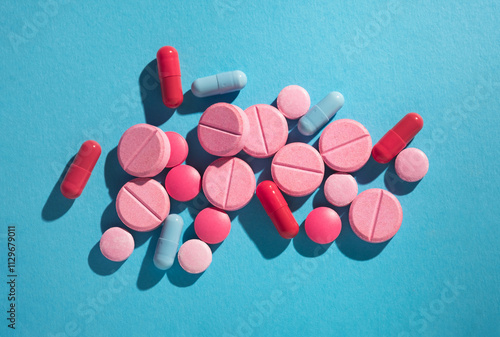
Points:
[(166, 248), (219, 84), (321, 113)]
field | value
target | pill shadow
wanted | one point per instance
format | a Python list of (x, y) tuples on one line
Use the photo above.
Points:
[(197, 156), (192, 104), (57, 204), (395, 184), (155, 111), (114, 176), (305, 246), (100, 264), (369, 172), (149, 275), (295, 136)]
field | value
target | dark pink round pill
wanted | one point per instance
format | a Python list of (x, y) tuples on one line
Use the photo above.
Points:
[(178, 149), (323, 225), (183, 182), (212, 225)]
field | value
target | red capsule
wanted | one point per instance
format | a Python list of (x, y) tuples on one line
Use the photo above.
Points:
[(397, 138), (79, 172), (277, 209), (169, 72)]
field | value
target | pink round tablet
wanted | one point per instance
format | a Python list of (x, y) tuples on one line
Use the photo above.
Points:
[(268, 131), (229, 183), (194, 256), (178, 149), (143, 150), (375, 215), (183, 183), (340, 189), (223, 129), (297, 169), (411, 164), (212, 225), (323, 225), (345, 145), (293, 101), (142, 204), (116, 244)]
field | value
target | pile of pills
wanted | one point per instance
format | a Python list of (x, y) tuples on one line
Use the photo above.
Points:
[(229, 184)]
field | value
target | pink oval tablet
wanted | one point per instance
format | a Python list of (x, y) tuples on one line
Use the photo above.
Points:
[(223, 129), (143, 150), (178, 149), (375, 215), (183, 182), (142, 204), (411, 164), (212, 225), (194, 256), (293, 101), (116, 244), (229, 183), (340, 189), (268, 131), (323, 225), (297, 169), (345, 145)]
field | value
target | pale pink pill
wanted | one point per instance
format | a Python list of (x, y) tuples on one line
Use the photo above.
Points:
[(268, 131), (223, 129), (293, 101), (297, 169), (323, 225), (340, 189), (411, 164), (212, 225), (143, 150), (345, 145), (229, 183), (183, 183), (178, 149), (116, 244), (375, 215), (194, 256), (142, 204)]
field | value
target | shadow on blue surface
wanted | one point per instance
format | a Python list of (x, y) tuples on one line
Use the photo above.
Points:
[(57, 205), (369, 172), (197, 156), (101, 265), (192, 104), (395, 184), (307, 247)]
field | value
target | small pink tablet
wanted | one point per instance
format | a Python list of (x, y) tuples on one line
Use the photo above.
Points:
[(229, 183), (297, 169), (194, 256), (345, 145), (212, 225), (268, 131), (143, 150), (323, 225), (183, 183), (411, 164), (178, 149), (293, 102), (340, 189), (375, 215), (223, 129), (116, 244), (142, 204)]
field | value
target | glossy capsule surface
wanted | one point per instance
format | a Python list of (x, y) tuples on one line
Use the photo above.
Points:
[(219, 84), (169, 72), (166, 248), (321, 113)]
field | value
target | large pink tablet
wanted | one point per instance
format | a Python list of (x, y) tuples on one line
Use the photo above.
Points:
[(411, 164), (297, 169), (223, 129), (229, 183), (143, 150), (178, 149), (345, 145), (375, 215), (268, 131), (293, 101), (194, 256), (212, 225), (142, 204), (340, 189), (183, 182), (116, 244), (323, 225)]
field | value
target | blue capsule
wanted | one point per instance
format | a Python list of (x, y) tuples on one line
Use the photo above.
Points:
[(166, 248), (219, 84), (321, 113)]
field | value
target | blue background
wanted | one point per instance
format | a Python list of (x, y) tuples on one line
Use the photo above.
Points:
[(77, 73)]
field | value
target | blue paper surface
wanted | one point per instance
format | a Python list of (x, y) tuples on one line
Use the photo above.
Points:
[(72, 71)]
